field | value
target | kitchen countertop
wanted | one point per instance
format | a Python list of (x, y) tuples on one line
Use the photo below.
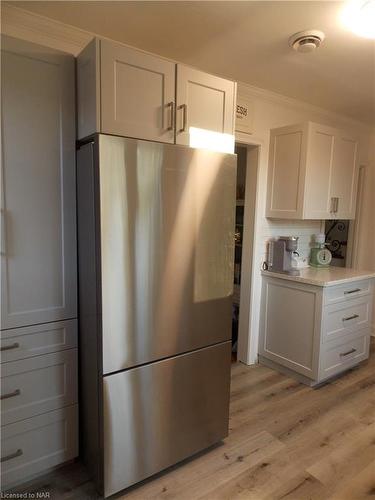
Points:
[(324, 277)]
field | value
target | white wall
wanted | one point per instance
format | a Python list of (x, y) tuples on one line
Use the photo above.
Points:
[(364, 245), (270, 110)]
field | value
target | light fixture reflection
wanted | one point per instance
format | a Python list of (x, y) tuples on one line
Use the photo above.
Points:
[(359, 17), (214, 141)]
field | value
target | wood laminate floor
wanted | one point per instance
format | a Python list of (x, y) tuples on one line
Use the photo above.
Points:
[(286, 441)]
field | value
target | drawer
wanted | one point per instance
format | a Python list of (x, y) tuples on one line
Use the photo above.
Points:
[(337, 358), (33, 386), (36, 444), (184, 408), (345, 318), (347, 291), (21, 343)]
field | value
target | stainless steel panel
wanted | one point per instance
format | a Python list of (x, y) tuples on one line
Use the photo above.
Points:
[(161, 413), (167, 239)]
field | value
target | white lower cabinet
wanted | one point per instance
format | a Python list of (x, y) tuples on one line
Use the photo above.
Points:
[(36, 444), (30, 341), (39, 399), (314, 332), (336, 358), (36, 385)]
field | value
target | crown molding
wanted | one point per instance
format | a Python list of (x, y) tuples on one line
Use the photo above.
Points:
[(22, 24), (248, 90)]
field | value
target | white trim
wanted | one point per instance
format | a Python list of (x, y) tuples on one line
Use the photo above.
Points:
[(249, 316), (246, 316), (355, 225), (22, 24), (248, 91)]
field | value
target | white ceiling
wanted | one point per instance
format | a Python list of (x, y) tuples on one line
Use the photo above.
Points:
[(245, 41)]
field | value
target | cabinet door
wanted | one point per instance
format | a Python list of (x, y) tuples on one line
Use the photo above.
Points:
[(38, 196), (319, 167), (344, 176), (137, 94), (290, 325), (203, 101), (286, 172)]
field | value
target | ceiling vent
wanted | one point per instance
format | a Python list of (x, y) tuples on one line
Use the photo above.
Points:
[(306, 41)]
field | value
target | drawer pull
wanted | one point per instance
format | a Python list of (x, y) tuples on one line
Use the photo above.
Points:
[(347, 353), (16, 454), (355, 290), (17, 392), (351, 317), (9, 347)]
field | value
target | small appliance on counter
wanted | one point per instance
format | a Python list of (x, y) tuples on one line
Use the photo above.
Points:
[(320, 256), (281, 253)]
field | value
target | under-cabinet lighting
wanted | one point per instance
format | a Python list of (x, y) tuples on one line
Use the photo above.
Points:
[(207, 139), (359, 17)]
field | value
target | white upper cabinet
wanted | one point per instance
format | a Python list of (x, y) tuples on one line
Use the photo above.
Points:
[(312, 173), (203, 101), (38, 254), (137, 93), (126, 92), (345, 175)]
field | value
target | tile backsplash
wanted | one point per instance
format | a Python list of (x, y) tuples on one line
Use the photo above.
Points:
[(304, 229)]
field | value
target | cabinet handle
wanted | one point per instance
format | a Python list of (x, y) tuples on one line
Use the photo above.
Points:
[(183, 107), (351, 317), (342, 354), (355, 290), (337, 205), (17, 392), (16, 454), (3, 251), (9, 347), (170, 105), (332, 209)]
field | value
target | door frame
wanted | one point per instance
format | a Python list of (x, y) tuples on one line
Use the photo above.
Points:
[(355, 224), (247, 350)]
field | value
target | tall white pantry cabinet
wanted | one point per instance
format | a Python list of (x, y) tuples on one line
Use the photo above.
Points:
[(39, 404)]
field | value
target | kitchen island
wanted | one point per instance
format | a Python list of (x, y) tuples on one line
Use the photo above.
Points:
[(316, 325)]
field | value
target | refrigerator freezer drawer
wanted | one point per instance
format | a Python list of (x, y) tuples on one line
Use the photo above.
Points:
[(161, 413)]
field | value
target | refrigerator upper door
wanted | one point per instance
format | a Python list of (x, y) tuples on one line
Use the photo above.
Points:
[(167, 240)]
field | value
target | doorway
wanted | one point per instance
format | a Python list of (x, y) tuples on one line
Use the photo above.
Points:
[(247, 173)]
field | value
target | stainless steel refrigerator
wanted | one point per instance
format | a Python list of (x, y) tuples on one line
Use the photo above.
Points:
[(155, 244)]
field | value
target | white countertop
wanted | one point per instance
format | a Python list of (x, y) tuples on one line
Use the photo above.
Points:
[(324, 277)]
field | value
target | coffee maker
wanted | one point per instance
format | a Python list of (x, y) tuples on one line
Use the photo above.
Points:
[(281, 253)]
